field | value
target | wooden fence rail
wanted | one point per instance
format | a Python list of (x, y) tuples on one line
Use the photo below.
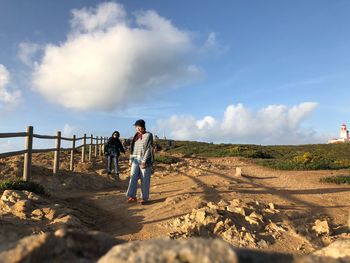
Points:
[(28, 151)]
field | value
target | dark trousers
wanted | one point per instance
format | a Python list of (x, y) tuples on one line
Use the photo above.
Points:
[(113, 158)]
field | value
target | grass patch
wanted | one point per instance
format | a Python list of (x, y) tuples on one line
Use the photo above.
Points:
[(339, 179), (166, 159), (10, 184)]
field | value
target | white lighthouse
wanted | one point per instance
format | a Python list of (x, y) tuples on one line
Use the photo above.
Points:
[(344, 135)]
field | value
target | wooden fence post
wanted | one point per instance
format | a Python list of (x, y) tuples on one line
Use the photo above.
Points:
[(90, 146), (27, 168), (83, 149), (103, 144), (56, 161), (72, 154), (96, 146), (100, 146)]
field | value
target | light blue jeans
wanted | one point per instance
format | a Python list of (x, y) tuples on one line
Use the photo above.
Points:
[(144, 175), (113, 158)]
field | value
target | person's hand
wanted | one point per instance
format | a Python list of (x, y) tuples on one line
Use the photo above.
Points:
[(142, 165), (130, 162)]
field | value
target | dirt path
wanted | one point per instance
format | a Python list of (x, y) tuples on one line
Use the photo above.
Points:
[(176, 190)]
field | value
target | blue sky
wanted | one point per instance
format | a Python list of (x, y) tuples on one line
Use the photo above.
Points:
[(269, 72)]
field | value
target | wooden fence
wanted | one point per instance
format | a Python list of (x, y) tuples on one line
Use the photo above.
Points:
[(28, 151)]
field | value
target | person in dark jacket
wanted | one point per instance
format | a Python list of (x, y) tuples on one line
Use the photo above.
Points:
[(112, 151)]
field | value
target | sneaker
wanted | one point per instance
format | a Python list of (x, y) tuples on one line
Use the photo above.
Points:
[(132, 199), (144, 202)]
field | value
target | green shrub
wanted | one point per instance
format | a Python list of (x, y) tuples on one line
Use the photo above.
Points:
[(257, 154), (166, 159), (284, 157), (339, 179), (15, 184)]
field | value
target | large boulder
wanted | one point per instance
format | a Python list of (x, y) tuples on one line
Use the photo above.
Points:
[(62, 246), (338, 249), (190, 251), (172, 251)]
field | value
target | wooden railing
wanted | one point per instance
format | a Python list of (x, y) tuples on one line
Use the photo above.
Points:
[(28, 151)]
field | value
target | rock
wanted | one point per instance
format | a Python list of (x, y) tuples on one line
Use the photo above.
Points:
[(50, 213), (35, 198), (63, 246), (20, 208), (273, 227), (271, 206), (4, 207), (223, 203), (220, 226), (257, 216), (321, 227), (235, 202), (13, 196), (238, 210), (338, 249), (212, 205), (263, 243), (238, 172), (37, 214), (218, 220), (200, 216), (172, 251), (251, 220), (67, 221), (23, 250)]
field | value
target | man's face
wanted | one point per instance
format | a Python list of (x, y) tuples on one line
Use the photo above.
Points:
[(139, 129), (115, 135)]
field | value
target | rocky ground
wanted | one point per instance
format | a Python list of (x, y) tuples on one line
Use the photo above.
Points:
[(272, 211)]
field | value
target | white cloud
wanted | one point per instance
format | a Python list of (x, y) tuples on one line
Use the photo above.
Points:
[(274, 124), (69, 130), (211, 40), (27, 51), (91, 19), (7, 98), (213, 46), (110, 59)]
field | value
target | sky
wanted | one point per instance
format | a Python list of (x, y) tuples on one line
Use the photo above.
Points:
[(261, 72)]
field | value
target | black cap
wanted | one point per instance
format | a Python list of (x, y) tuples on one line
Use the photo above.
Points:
[(140, 123)]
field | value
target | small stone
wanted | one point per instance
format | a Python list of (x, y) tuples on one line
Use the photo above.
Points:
[(212, 205), (220, 226), (20, 208), (61, 233), (262, 243), (50, 213), (257, 216), (38, 214), (321, 227), (200, 216), (238, 172), (252, 221)]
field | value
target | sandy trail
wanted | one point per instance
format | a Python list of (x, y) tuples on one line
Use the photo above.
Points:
[(176, 193)]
